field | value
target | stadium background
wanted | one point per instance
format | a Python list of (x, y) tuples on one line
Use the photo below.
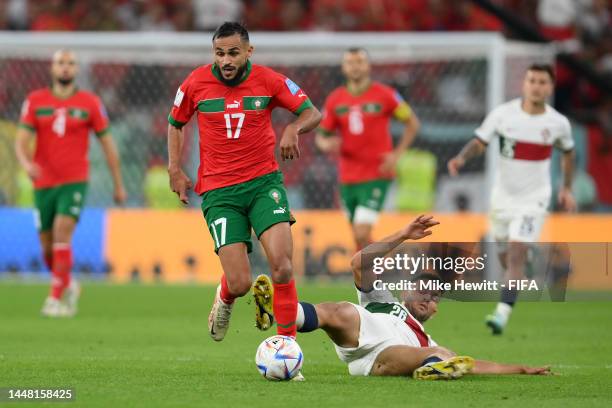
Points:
[(449, 87)]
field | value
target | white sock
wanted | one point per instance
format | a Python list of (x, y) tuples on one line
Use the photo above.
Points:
[(503, 310), (299, 319)]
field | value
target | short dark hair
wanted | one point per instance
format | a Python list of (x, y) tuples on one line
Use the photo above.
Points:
[(355, 50), (543, 68), (230, 28)]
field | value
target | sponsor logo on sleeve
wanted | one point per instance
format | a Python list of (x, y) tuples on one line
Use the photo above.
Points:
[(293, 87), (178, 99)]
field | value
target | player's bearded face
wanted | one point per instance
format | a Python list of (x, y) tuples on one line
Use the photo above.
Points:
[(537, 86), (422, 304), (356, 66), (64, 68), (231, 56)]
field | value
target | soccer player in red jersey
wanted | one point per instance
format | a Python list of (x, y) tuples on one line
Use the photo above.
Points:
[(61, 117), (361, 111), (238, 178)]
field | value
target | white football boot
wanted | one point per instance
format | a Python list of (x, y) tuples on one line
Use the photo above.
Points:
[(219, 317), (71, 297), (54, 308), (498, 320)]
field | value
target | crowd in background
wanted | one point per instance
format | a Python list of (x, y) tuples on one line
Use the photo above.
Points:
[(271, 15), (584, 26)]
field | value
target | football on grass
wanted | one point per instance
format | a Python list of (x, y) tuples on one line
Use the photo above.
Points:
[(279, 358)]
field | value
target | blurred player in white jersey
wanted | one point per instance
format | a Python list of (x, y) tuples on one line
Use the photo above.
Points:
[(528, 129)]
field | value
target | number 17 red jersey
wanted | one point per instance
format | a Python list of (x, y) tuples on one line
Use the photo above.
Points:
[(237, 140)]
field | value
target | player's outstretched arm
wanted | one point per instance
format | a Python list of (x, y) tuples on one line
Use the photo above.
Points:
[(114, 165), (491, 367), (417, 229), (306, 121), (24, 152), (179, 182), (473, 148)]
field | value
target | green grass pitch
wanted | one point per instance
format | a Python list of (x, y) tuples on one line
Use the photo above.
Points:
[(147, 346)]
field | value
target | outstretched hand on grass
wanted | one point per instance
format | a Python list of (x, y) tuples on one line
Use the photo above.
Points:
[(537, 370), (420, 227)]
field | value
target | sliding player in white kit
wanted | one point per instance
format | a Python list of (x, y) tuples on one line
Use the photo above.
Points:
[(528, 129), (383, 336)]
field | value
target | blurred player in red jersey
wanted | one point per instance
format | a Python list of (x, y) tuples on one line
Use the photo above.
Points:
[(61, 117), (528, 129), (238, 179), (361, 110)]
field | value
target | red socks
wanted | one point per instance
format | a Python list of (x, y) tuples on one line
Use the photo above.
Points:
[(284, 304), (62, 265), (225, 294), (285, 308), (49, 260)]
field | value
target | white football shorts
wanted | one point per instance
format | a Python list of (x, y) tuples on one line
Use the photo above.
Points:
[(377, 332), (517, 225)]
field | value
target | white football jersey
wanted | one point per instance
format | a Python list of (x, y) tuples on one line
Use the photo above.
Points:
[(522, 178), (383, 302)]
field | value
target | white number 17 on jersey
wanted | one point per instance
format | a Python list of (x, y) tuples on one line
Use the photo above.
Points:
[(228, 124)]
